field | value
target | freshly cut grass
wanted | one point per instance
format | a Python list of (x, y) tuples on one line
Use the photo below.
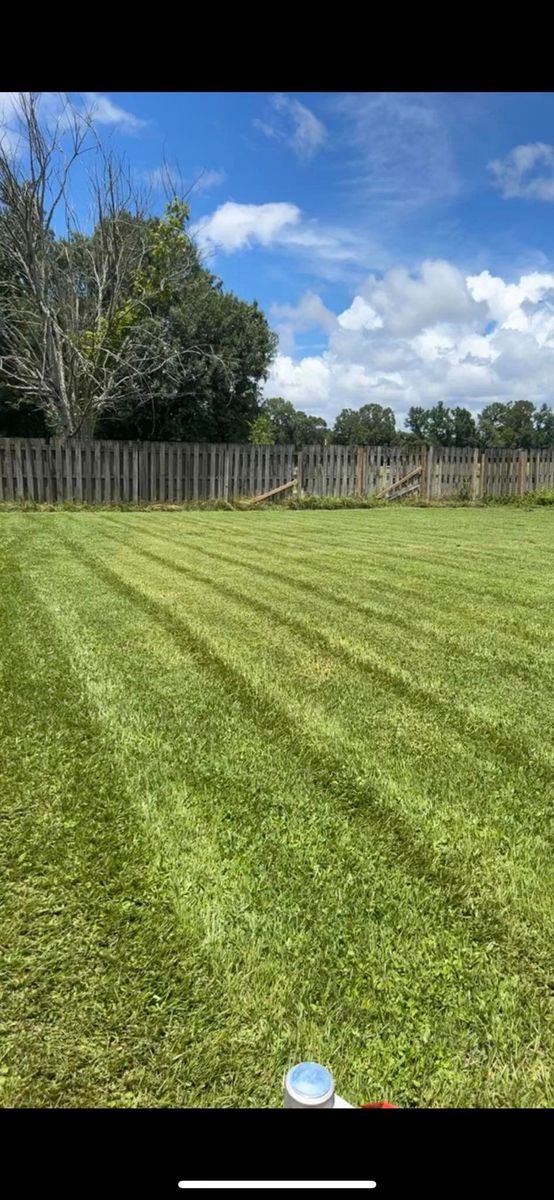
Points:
[(277, 786)]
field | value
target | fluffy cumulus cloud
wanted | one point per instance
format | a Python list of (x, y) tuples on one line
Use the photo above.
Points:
[(238, 226), (325, 250), (527, 171), (416, 339), (293, 123), (360, 315)]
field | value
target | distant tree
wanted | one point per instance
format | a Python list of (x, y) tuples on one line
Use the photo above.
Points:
[(440, 425), (509, 425), (292, 425), (544, 426), (416, 423), (309, 430), (260, 431), (372, 424), (491, 424), (465, 429), (435, 425), (281, 415)]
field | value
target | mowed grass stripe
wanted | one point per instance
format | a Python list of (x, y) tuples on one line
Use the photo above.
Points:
[(489, 948), (324, 927), (324, 1004), (495, 837), (371, 535), (443, 702), (488, 848), (373, 576), (100, 983), (415, 632), (409, 633)]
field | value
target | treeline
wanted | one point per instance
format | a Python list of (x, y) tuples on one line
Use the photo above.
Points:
[(515, 423)]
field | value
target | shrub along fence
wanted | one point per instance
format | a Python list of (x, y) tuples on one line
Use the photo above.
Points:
[(100, 472)]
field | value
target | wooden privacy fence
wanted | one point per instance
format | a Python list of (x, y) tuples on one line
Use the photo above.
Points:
[(137, 472), (445, 470), (164, 472)]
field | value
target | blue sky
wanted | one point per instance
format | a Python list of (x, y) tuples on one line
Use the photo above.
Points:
[(401, 244)]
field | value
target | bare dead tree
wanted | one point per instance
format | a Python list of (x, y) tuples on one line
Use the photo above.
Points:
[(71, 341)]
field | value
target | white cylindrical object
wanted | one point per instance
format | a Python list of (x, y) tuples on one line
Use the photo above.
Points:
[(309, 1085)]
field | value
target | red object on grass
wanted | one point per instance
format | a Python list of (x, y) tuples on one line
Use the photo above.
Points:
[(379, 1104)]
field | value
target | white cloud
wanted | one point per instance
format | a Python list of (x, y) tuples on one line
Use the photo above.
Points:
[(328, 251), (527, 171), (408, 340), (306, 383), (291, 122), (53, 108), (407, 304), (309, 313), (238, 226), (360, 315), (103, 111), (505, 300)]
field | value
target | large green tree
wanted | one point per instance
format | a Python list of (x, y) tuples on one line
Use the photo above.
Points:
[(416, 424), (372, 424), (544, 426), (223, 346), (121, 331), (465, 429), (442, 426), (291, 425), (508, 425)]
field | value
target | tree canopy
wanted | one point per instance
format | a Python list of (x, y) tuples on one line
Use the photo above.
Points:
[(120, 331), (369, 424), (290, 425)]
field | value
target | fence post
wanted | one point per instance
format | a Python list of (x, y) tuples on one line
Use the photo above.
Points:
[(144, 476), (522, 472), (360, 455), (297, 490), (429, 474), (476, 474)]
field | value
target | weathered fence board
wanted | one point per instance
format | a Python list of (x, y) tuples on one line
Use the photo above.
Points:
[(171, 472)]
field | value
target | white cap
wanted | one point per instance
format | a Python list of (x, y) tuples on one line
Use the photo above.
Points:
[(309, 1085)]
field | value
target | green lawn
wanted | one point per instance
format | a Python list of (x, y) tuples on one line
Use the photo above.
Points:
[(277, 785)]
